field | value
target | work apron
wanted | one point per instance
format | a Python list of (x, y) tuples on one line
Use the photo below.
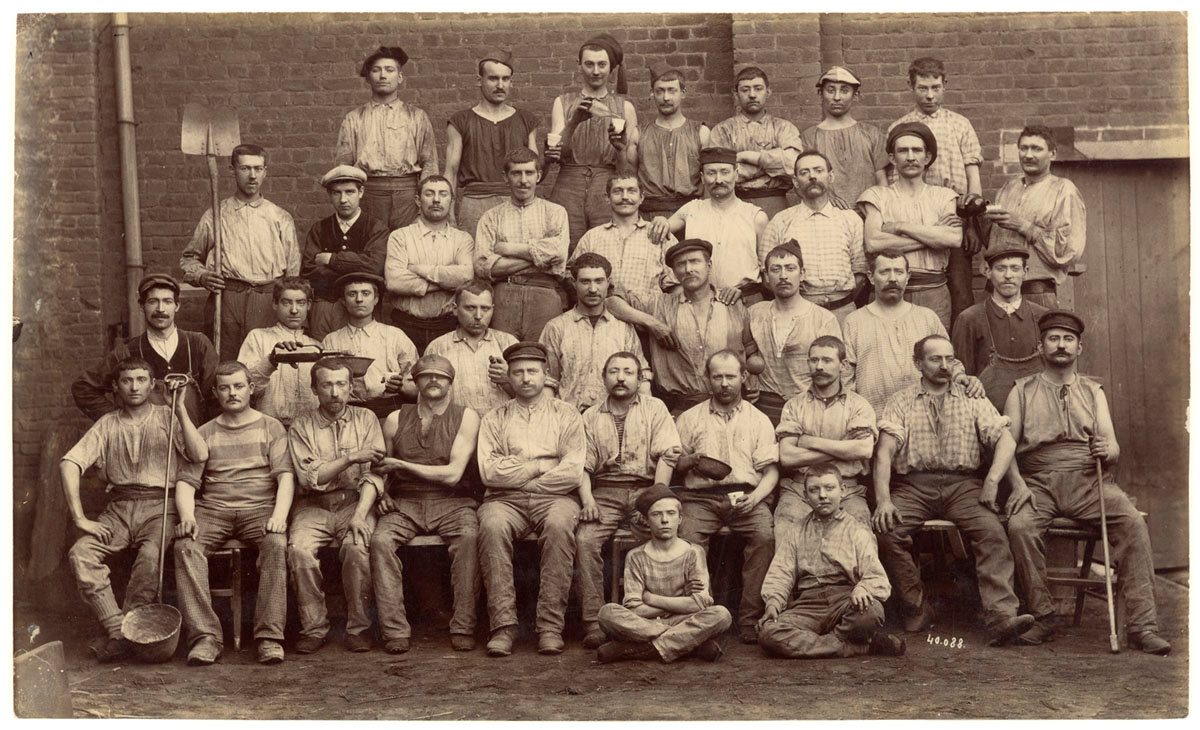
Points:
[(1000, 373)]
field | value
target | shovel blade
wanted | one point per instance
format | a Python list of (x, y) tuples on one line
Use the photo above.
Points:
[(200, 121)]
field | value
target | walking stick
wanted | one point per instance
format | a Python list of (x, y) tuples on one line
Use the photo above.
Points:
[(175, 382), (1113, 644)]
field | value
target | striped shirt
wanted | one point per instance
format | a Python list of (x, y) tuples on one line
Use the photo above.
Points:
[(513, 438), (831, 241), (243, 463), (683, 576), (742, 438), (393, 353), (845, 416), (1057, 229), (424, 266), (834, 551), (932, 206), (682, 371), (637, 263), (472, 386), (578, 348), (258, 243), (314, 440), (733, 235), (958, 146), (783, 342), (131, 454), (649, 436), (776, 140), (541, 225), (944, 433), (388, 140), (280, 391)]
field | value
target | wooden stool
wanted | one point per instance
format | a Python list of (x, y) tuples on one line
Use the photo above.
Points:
[(232, 549), (1081, 579)]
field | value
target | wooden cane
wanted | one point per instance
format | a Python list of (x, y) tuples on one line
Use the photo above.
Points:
[(1113, 644)]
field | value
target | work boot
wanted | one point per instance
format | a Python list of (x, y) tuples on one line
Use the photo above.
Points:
[(462, 642), (1008, 629), (615, 651), (594, 638), (112, 649), (358, 643), (920, 619), (269, 651), (1040, 633), (550, 642), (397, 646), (204, 652), (309, 644), (501, 642), (748, 634), (709, 651), (1149, 642), (885, 644)]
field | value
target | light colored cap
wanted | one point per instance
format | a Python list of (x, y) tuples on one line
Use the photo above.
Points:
[(840, 75), (344, 173)]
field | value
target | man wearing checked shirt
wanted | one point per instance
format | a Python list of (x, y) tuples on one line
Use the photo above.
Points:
[(637, 261)]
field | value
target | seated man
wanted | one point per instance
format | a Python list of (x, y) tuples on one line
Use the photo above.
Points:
[(825, 424), (430, 444), (825, 589), (333, 449), (668, 610), (531, 452), (245, 494), (731, 430), (631, 444), (130, 447), (1062, 426), (282, 392), (931, 445)]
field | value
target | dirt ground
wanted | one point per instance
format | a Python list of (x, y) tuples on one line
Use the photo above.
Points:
[(1072, 677)]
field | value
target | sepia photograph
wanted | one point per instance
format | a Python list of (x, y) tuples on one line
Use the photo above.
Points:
[(654, 364)]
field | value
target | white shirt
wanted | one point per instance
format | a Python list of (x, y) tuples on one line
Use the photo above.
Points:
[(164, 346)]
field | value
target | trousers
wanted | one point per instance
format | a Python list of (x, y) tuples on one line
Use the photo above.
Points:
[(423, 331), (214, 526), (580, 189), (821, 622), (451, 518), (392, 200), (241, 311), (314, 527), (704, 514), (674, 636), (522, 310), (325, 317), (616, 505), (472, 207), (937, 299)]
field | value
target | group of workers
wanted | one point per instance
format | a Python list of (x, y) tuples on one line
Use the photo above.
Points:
[(663, 344)]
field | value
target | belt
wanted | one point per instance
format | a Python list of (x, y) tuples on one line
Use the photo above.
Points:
[(832, 304), (241, 286), (331, 501), (925, 280), (1039, 286), (668, 202), (624, 482), (481, 189), (751, 193), (543, 280), (396, 180), (720, 489)]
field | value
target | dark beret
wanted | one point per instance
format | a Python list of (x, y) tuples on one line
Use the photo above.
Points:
[(647, 498), (690, 244), (395, 52), (916, 129)]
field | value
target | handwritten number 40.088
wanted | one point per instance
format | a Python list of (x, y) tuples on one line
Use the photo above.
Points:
[(952, 643)]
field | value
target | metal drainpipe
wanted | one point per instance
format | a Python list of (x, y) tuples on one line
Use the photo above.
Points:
[(127, 128)]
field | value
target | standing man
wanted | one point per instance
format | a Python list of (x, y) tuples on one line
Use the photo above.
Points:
[(390, 349), (916, 217), (590, 131), (668, 612), (333, 449), (855, 148), (166, 348), (477, 139), (956, 167), (731, 430), (391, 141), (245, 490), (766, 146), (429, 447), (688, 326), (997, 339), (932, 441), (345, 242), (1062, 426), (826, 425), (521, 246), (258, 247), (580, 340), (731, 225), (831, 238), (631, 444), (637, 261), (781, 331), (531, 454), (282, 392), (426, 262), (1042, 213), (667, 153), (130, 447), (476, 350)]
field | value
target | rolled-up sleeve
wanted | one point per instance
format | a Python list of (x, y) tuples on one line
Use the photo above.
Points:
[(664, 441), (766, 449), (485, 242), (892, 421), (306, 458), (989, 424), (550, 251)]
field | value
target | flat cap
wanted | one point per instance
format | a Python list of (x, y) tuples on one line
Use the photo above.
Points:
[(355, 277), (395, 52), (526, 351), (344, 173), (839, 74), (915, 129), (686, 245), (433, 364), (499, 55), (721, 155), (991, 254), (158, 280), (651, 496), (1062, 319)]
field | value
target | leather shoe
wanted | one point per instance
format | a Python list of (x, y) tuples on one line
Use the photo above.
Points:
[(1149, 642), (1040, 633), (358, 643), (1008, 629), (269, 651), (113, 649), (920, 620), (615, 651), (204, 652), (462, 642), (594, 638), (550, 642), (309, 644), (884, 644), (500, 644), (709, 651), (748, 634), (397, 646)]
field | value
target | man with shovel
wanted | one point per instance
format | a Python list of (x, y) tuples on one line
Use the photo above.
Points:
[(129, 446), (258, 247)]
